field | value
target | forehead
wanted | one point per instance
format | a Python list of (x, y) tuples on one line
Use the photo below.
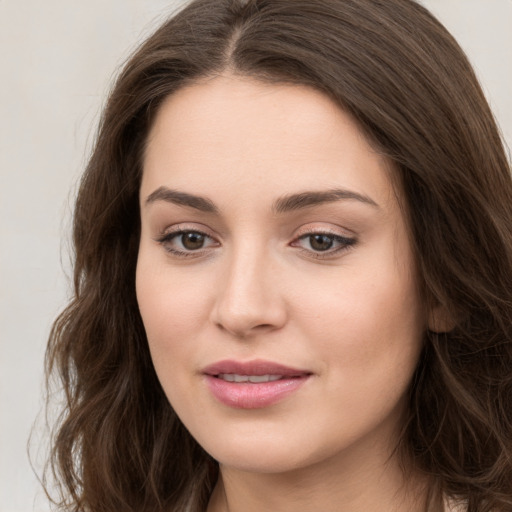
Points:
[(270, 138)]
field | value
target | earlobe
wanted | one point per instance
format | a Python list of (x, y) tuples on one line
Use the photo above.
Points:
[(440, 320)]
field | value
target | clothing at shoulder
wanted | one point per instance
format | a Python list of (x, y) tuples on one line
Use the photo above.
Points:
[(454, 506)]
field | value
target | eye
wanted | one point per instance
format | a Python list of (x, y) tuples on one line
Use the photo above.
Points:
[(192, 240), (186, 242), (323, 244), (320, 242)]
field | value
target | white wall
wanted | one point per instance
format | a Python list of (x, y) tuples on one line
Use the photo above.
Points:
[(56, 61)]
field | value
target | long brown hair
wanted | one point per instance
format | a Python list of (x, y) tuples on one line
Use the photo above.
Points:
[(119, 445)]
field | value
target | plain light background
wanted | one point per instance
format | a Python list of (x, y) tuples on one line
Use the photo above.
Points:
[(57, 61)]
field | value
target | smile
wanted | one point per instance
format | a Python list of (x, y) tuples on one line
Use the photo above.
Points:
[(256, 379), (254, 384)]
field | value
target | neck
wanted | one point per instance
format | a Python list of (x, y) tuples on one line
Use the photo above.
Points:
[(331, 486)]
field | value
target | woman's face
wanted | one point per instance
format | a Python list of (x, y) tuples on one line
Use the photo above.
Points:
[(275, 277)]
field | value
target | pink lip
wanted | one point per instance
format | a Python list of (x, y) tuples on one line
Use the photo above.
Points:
[(248, 395)]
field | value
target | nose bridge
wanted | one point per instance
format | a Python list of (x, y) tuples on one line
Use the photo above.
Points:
[(249, 297)]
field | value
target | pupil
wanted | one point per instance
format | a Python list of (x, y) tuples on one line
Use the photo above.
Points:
[(192, 241), (321, 242)]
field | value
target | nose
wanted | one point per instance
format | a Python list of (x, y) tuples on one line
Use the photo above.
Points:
[(249, 299)]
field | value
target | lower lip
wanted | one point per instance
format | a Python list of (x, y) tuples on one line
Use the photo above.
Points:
[(248, 395)]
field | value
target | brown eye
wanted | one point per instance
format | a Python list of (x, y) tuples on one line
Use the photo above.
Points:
[(323, 245), (321, 242), (183, 243), (192, 240)]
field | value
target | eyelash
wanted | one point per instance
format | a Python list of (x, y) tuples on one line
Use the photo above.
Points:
[(345, 243), (166, 239)]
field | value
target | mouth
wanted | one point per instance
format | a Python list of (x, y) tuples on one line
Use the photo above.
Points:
[(254, 384), (255, 379)]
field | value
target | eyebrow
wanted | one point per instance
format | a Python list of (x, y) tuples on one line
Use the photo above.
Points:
[(283, 204), (314, 198), (182, 198)]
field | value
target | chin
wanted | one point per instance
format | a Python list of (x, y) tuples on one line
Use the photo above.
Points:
[(277, 463), (266, 454)]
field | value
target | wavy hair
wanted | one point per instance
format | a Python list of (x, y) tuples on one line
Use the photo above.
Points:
[(119, 446)]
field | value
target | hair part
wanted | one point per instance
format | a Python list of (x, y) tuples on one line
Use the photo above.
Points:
[(409, 86)]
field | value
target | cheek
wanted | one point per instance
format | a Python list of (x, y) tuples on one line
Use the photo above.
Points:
[(369, 324), (367, 337), (173, 309)]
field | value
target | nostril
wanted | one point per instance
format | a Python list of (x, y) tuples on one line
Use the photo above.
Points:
[(246, 303)]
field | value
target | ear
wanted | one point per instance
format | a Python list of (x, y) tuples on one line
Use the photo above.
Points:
[(440, 320)]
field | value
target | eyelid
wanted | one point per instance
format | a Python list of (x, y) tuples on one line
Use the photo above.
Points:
[(316, 228), (185, 227)]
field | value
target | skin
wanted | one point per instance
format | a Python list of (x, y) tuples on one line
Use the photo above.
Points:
[(258, 288)]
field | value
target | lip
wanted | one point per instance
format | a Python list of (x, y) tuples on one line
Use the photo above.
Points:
[(248, 395)]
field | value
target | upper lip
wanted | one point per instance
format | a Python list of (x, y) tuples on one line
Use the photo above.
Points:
[(255, 367)]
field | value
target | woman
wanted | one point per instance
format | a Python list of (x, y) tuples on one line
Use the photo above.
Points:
[(293, 272)]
